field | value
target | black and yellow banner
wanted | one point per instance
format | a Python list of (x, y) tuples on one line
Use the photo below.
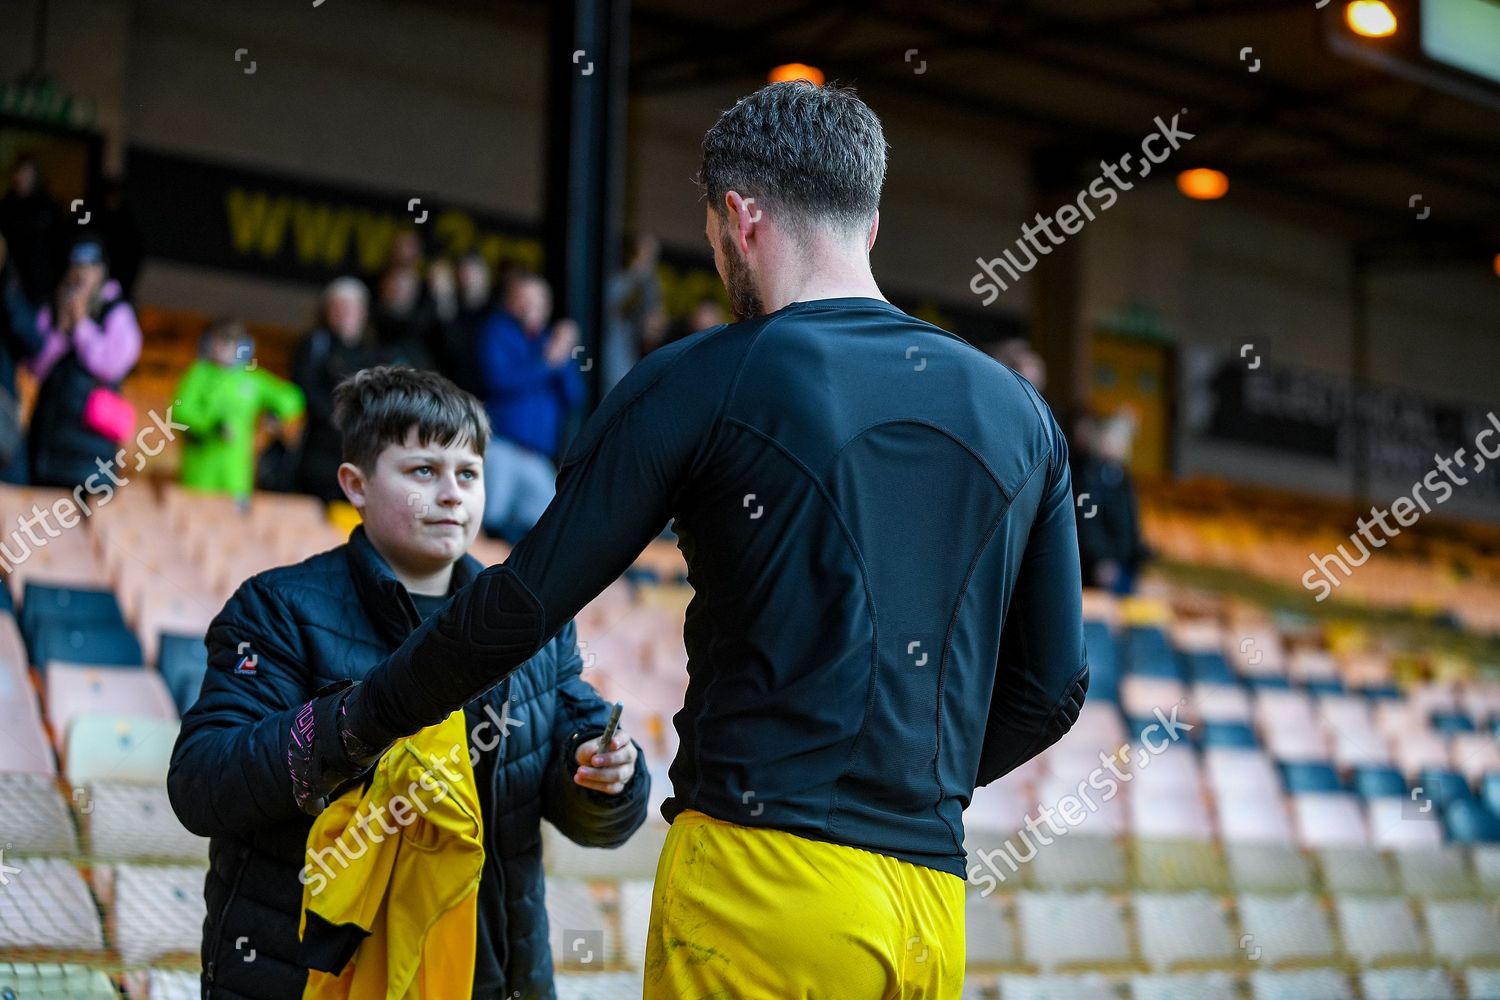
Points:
[(269, 223)]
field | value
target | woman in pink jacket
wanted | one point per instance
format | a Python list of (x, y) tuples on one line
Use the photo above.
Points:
[(91, 342)]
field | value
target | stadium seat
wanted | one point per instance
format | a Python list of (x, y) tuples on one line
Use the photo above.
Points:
[(44, 604), (1267, 867), (74, 690), (1303, 777), (119, 748), (157, 911), (636, 858), (1253, 818), (1378, 928), (1469, 821), (1220, 703), (1227, 735), (1184, 986), (1148, 653), (135, 822), (1086, 987), (635, 920), (1142, 694), (1208, 667), (97, 645), (1241, 772), (1080, 861), (1463, 930), (1407, 984), (1104, 672), (598, 986), (12, 647), (987, 932), (173, 984), (25, 747), (1449, 722), (1062, 929), (1356, 869), (51, 981), (1443, 785), (1434, 871), (1281, 929), (1328, 820), (1482, 984), (1181, 816), (47, 905), (1375, 782), (34, 816), (1300, 984), (1396, 823), (171, 611), (1168, 865), (182, 661), (1186, 927), (579, 930)]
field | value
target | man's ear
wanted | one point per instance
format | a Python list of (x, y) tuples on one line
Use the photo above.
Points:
[(744, 213), (874, 228), (352, 482)]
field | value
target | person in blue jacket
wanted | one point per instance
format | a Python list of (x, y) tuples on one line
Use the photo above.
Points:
[(531, 384), (412, 445)]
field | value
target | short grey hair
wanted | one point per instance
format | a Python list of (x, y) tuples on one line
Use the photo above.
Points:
[(815, 154), (352, 287)]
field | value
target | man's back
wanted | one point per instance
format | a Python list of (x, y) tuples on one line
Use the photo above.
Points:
[(855, 492)]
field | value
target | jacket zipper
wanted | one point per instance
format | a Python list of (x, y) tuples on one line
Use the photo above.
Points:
[(234, 891)]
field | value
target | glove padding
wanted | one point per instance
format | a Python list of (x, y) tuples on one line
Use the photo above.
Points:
[(323, 753)]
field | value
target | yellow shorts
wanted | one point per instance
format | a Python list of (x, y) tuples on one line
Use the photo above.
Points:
[(754, 914)]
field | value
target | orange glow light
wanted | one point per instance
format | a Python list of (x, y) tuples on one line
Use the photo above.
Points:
[(1203, 183), (1371, 18), (1497, 265), (797, 71)]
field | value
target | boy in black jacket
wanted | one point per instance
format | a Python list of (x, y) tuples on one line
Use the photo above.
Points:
[(413, 447)]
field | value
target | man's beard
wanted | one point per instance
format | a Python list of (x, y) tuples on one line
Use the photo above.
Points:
[(744, 299)]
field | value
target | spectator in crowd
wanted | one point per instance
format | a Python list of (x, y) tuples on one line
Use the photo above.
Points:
[(531, 382), (91, 341), (636, 318), (19, 340), (221, 398), (1018, 355), (706, 314), (533, 740), (35, 229), (403, 316), (465, 300), (1110, 545), (122, 238), (337, 347)]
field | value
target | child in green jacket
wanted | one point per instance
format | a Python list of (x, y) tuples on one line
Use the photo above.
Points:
[(220, 398)]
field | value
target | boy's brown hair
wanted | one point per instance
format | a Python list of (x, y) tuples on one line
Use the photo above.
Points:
[(378, 406)]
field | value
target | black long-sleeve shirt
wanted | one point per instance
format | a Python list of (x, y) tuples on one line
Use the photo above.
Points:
[(877, 521)]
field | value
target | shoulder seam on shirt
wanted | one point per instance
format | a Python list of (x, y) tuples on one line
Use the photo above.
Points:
[(945, 432), (734, 386), (625, 406)]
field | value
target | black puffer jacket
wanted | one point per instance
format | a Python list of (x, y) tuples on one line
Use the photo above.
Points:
[(287, 633)]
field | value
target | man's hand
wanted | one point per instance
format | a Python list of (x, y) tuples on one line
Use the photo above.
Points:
[(606, 772), (560, 345)]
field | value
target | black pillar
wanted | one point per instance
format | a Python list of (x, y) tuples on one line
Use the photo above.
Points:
[(588, 58)]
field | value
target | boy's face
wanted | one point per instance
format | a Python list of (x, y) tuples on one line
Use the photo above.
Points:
[(422, 505)]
